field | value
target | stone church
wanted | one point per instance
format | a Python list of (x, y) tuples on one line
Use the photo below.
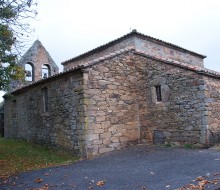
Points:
[(134, 89)]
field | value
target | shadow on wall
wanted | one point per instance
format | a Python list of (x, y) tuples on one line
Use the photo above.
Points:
[(214, 136), (2, 119), (2, 113)]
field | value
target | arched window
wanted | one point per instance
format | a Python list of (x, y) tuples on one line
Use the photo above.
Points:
[(29, 72), (46, 72)]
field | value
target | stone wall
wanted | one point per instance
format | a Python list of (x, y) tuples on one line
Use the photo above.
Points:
[(122, 109), (111, 105), (37, 56), (144, 44), (178, 118), (2, 119), (154, 49), (212, 116), (60, 125)]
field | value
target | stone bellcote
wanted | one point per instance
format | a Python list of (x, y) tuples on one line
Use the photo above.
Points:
[(38, 63)]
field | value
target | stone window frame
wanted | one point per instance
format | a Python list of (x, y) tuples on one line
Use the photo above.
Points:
[(165, 90), (165, 93), (45, 95)]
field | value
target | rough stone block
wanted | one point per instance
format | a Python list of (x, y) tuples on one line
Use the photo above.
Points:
[(97, 142), (114, 139), (100, 118), (103, 150), (92, 137), (98, 131)]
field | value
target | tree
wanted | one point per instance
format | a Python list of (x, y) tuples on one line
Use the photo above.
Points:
[(14, 31)]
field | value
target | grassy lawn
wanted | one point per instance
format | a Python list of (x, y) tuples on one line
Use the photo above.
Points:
[(17, 155)]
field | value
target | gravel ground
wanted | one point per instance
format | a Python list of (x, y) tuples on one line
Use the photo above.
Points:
[(139, 167)]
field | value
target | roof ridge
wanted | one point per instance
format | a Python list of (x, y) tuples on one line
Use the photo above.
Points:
[(133, 33), (196, 68)]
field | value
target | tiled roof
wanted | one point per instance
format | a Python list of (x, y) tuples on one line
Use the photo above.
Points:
[(48, 78), (129, 35), (84, 65), (196, 69)]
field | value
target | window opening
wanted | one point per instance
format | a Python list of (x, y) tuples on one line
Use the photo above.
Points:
[(45, 71), (158, 93), (29, 72), (14, 109), (45, 99)]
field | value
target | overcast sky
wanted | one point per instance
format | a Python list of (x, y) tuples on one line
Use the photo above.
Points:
[(68, 28)]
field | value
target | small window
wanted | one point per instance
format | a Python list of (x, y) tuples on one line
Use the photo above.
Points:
[(45, 99), (158, 93)]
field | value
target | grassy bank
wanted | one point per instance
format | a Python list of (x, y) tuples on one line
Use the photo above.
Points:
[(17, 155)]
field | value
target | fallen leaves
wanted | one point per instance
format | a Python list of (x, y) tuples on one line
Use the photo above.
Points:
[(100, 183), (3, 179), (45, 187), (17, 155), (38, 180), (202, 183)]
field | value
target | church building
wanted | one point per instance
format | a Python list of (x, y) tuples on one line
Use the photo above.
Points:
[(134, 89)]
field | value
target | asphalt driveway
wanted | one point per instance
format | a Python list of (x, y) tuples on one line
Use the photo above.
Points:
[(134, 168)]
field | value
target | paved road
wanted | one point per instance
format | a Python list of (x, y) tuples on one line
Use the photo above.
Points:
[(134, 168)]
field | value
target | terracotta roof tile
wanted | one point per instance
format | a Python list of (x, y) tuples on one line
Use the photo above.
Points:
[(128, 49), (183, 65)]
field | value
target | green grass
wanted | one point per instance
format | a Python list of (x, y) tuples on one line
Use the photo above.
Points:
[(189, 146), (18, 155)]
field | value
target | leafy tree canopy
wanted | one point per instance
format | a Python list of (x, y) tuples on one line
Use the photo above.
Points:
[(14, 31)]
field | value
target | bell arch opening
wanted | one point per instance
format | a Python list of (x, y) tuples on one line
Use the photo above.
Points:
[(46, 71), (29, 72)]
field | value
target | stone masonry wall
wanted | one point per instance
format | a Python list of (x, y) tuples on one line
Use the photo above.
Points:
[(178, 118), (37, 55), (60, 126), (150, 47), (154, 49), (111, 105), (121, 106), (212, 93)]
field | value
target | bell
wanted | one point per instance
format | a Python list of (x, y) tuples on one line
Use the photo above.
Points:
[(28, 73), (45, 75)]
